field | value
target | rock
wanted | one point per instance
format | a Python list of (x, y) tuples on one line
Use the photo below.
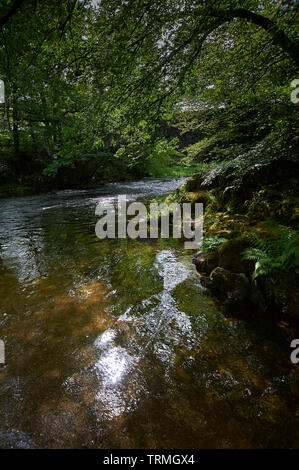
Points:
[(194, 182), (205, 262), (290, 285), (206, 282), (192, 197), (235, 292), (257, 298), (230, 256), (225, 284)]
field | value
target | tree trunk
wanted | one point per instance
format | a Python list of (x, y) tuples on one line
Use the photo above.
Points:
[(15, 129)]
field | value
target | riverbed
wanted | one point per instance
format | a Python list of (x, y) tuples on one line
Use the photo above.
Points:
[(114, 343)]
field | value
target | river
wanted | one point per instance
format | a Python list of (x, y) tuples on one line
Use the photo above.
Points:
[(115, 344)]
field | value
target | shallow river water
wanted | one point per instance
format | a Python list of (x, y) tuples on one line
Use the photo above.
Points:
[(115, 344)]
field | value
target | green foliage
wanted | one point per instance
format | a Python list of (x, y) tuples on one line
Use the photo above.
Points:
[(152, 157), (181, 170), (199, 149), (274, 253), (233, 172), (101, 77), (212, 242), (163, 156)]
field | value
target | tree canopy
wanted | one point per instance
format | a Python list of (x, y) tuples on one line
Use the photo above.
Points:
[(86, 79)]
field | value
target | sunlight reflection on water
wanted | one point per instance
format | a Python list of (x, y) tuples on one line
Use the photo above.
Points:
[(113, 365)]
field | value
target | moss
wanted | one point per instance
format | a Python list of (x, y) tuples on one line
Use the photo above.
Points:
[(222, 224), (197, 197), (230, 256), (193, 183), (275, 203), (234, 211)]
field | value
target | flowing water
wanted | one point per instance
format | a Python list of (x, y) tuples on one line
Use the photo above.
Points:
[(115, 344)]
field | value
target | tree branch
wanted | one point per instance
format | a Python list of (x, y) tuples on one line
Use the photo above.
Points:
[(15, 7), (279, 37)]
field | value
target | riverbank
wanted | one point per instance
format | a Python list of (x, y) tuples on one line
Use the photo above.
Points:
[(81, 178), (249, 258)]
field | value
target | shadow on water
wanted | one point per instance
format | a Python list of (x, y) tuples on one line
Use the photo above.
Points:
[(114, 343)]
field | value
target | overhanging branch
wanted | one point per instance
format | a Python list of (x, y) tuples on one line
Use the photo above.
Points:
[(15, 7)]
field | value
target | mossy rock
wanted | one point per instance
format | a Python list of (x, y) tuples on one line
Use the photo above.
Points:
[(206, 262), (197, 197), (228, 225), (270, 202), (230, 256), (193, 183), (226, 284), (182, 196)]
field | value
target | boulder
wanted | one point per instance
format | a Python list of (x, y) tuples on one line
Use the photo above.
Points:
[(230, 256), (205, 262), (257, 298), (236, 294), (225, 284), (194, 182)]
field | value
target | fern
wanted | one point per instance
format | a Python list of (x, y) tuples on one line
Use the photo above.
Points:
[(211, 243), (276, 252)]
